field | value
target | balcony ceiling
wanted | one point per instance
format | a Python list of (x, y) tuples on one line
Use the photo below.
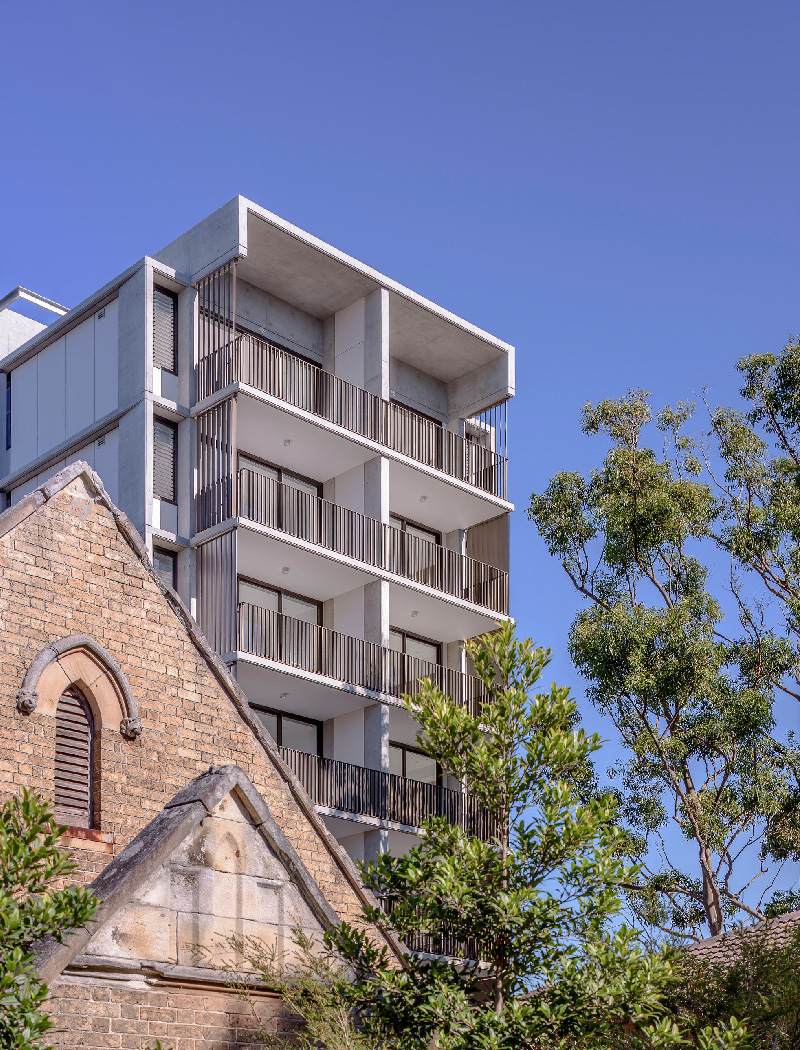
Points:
[(320, 280)]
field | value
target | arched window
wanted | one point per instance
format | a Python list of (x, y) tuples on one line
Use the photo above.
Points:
[(74, 760)]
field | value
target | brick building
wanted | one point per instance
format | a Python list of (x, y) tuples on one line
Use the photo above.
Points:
[(114, 706)]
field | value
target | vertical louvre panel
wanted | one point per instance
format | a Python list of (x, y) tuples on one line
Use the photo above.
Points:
[(216, 592), (216, 451), (164, 443), (165, 329), (74, 733)]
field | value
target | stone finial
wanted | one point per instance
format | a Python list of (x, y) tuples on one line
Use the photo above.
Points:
[(131, 728), (27, 700)]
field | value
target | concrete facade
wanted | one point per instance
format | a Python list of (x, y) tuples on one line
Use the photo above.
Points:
[(376, 405)]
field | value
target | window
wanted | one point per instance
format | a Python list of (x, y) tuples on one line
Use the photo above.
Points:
[(165, 563), (165, 330), (298, 734), (165, 447), (416, 551), (279, 626), (8, 410), (417, 648), (412, 764), (280, 499), (74, 780)]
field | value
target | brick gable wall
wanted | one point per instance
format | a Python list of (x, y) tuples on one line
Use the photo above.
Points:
[(67, 569)]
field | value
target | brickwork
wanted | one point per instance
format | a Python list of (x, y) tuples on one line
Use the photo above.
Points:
[(90, 1014), (67, 569)]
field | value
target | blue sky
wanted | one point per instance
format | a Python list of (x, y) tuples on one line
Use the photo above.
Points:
[(611, 187)]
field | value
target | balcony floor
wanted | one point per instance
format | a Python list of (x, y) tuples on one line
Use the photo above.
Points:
[(310, 695)]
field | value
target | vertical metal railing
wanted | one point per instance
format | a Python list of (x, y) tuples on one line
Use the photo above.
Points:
[(319, 650), (227, 357), (370, 792), (308, 517)]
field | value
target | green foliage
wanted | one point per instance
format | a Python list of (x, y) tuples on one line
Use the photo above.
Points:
[(555, 966), (692, 705), (312, 987), (759, 982), (30, 909)]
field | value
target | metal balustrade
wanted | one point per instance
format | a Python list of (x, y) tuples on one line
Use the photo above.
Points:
[(343, 786), (258, 363), (354, 535), (309, 647), (441, 942)]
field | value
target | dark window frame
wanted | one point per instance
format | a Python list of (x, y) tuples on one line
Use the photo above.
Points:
[(416, 525), (174, 427), (174, 297), (275, 466), (295, 718), (418, 638), (281, 592), (174, 556), (417, 751)]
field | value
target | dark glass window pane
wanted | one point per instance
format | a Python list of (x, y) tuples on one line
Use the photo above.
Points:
[(164, 562)]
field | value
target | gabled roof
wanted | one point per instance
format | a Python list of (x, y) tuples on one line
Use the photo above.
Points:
[(15, 515), (154, 844)]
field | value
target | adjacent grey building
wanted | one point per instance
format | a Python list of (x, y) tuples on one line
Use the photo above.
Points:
[(316, 457)]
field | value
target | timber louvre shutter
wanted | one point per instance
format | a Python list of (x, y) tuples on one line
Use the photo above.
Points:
[(74, 774), (164, 448), (165, 330)]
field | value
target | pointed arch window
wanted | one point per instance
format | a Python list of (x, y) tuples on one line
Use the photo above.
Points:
[(74, 766)]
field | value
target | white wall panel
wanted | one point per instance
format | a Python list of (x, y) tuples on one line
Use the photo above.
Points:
[(80, 377), (349, 343), (106, 354), (106, 462), (51, 397), (348, 737), (24, 411), (348, 613), (349, 489)]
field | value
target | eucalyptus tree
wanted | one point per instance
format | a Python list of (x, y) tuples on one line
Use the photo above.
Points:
[(707, 790)]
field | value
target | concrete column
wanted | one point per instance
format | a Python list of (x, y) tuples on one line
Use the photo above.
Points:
[(376, 343), (376, 737), (376, 488), (376, 843), (376, 756), (329, 343)]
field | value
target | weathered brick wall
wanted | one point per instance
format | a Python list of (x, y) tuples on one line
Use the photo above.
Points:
[(91, 1014), (67, 570)]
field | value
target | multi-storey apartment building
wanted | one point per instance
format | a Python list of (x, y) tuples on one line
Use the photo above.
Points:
[(316, 457)]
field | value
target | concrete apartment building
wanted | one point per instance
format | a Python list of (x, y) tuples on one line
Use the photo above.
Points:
[(316, 458)]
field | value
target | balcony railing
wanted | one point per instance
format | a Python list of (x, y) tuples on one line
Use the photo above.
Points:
[(369, 792), (257, 363), (296, 643), (354, 535)]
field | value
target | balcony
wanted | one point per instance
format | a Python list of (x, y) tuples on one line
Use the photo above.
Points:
[(343, 658), (256, 363), (348, 788), (353, 535)]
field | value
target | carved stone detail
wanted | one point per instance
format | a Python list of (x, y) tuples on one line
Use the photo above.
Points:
[(27, 700), (130, 728)]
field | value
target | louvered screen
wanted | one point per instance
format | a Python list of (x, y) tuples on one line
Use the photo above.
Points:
[(164, 435), (73, 761), (165, 329)]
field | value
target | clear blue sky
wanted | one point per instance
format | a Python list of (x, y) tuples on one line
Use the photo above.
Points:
[(613, 187)]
